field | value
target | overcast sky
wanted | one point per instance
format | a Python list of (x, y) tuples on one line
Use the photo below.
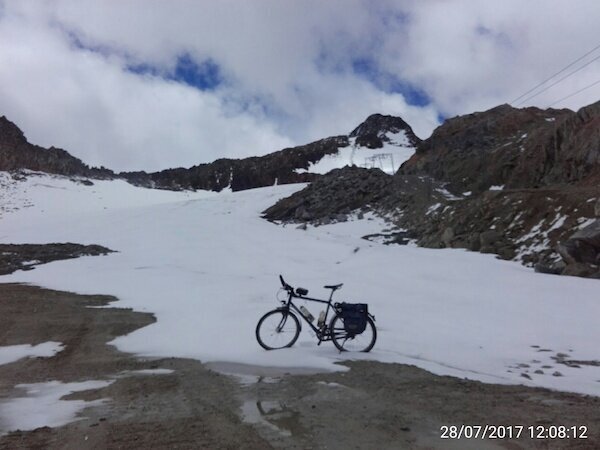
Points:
[(155, 84)]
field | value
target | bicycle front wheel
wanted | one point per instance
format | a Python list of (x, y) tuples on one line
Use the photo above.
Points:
[(348, 342), (277, 329)]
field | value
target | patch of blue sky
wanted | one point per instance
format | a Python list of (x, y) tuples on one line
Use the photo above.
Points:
[(389, 83), (205, 76)]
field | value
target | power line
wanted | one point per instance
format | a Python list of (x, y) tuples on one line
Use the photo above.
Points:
[(574, 93), (557, 73), (558, 81)]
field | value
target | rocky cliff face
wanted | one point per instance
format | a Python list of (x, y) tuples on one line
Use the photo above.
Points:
[(17, 153), (515, 148)]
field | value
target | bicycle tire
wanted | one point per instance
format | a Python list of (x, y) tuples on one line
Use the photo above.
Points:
[(363, 342), (270, 334)]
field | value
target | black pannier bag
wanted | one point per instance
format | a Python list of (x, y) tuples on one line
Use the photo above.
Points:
[(355, 317)]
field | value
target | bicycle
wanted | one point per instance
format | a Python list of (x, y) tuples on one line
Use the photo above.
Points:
[(280, 327)]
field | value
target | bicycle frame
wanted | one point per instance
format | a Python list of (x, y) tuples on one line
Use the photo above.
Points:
[(323, 334)]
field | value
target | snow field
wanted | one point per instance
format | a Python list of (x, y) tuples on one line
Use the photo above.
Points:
[(398, 147), (206, 265)]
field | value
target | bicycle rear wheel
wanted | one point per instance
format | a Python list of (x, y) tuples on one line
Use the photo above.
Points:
[(347, 342), (277, 329)]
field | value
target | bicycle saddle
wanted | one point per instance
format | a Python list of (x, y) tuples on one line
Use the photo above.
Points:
[(334, 286)]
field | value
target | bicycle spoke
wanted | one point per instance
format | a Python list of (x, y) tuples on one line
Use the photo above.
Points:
[(277, 329), (345, 341)]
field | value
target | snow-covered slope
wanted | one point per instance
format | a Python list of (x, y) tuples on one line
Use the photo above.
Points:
[(206, 264), (396, 149)]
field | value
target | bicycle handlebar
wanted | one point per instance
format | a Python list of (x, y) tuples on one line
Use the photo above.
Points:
[(286, 286)]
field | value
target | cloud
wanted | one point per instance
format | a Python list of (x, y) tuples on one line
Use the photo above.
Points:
[(472, 56), (89, 103), (153, 84)]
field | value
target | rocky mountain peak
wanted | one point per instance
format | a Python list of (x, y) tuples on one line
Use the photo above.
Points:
[(590, 112), (375, 130), (16, 153), (10, 134)]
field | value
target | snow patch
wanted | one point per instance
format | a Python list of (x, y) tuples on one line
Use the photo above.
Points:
[(43, 405), (12, 353), (447, 194), (584, 222), (388, 158), (559, 221), (538, 239), (433, 208), (331, 384)]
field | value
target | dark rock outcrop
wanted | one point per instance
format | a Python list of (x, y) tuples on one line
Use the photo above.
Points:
[(25, 256), (515, 148), (16, 153), (581, 251), (373, 132), (334, 195)]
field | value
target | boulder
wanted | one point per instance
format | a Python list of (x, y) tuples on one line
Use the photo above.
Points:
[(583, 246), (474, 242), (553, 268), (581, 270), (489, 238), (506, 252)]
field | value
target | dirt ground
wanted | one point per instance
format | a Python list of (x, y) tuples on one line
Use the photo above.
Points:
[(370, 406)]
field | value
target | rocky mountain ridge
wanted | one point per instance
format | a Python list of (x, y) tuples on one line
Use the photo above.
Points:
[(523, 184), (290, 165), (16, 153), (519, 183), (240, 174)]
